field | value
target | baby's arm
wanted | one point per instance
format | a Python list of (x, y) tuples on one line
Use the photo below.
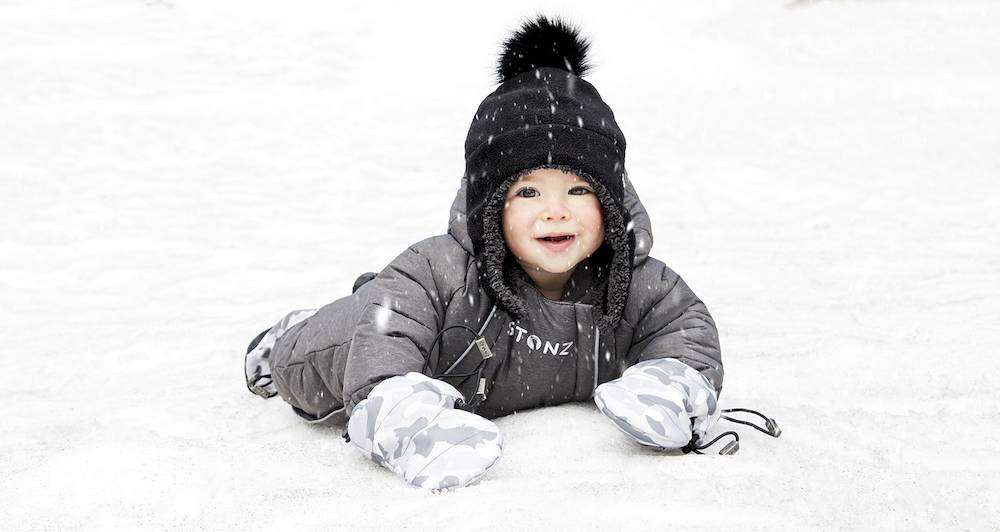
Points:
[(401, 418), (677, 326), (671, 392), (404, 313)]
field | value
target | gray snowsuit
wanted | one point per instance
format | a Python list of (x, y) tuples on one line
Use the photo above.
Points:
[(323, 366)]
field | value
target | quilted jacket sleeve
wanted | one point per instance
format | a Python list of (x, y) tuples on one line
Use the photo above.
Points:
[(397, 326), (674, 323)]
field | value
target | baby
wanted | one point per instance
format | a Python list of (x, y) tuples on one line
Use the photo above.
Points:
[(542, 292)]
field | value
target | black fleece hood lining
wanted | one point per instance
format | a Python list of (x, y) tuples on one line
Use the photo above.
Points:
[(611, 262)]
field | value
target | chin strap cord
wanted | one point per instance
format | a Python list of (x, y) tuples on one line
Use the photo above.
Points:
[(772, 429)]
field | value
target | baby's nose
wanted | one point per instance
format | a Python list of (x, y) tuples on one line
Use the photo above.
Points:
[(556, 210)]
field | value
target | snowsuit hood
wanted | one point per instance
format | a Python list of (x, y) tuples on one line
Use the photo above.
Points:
[(602, 279)]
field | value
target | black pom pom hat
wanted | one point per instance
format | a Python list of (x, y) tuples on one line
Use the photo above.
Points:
[(545, 115)]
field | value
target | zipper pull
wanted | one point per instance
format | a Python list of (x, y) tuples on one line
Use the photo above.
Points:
[(484, 348)]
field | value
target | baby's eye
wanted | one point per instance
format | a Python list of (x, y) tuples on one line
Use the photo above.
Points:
[(529, 189), (579, 191)]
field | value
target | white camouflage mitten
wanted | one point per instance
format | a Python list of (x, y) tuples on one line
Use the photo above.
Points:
[(660, 403), (409, 425)]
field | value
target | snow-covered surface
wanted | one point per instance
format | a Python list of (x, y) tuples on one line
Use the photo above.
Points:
[(177, 174)]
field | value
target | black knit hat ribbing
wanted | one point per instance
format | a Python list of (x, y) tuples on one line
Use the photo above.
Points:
[(544, 115)]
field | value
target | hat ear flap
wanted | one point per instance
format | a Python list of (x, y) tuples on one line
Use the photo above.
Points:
[(616, 269), (493, 262), (620, 281)]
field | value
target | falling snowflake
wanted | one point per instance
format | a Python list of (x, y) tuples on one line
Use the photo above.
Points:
[(382, 316)]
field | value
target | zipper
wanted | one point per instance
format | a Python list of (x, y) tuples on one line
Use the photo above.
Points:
[(597, 345)]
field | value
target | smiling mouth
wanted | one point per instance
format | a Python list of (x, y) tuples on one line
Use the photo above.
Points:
[(557, 239), (556, 244)]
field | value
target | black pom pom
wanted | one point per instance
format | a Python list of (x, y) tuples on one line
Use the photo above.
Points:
[(543, 43)]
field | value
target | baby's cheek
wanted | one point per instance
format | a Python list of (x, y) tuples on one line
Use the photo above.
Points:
[(595, 219), (515, 223)]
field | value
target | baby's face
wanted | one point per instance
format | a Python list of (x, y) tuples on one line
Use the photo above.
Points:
[(549, 202)]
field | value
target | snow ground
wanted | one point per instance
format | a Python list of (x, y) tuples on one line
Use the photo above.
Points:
[(178, 174)]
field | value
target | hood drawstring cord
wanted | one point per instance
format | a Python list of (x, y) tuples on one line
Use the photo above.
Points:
[(486, 353), (427, 359), (484, 350), (694, 446)]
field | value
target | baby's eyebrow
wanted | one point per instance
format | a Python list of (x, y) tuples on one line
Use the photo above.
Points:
[(525, 181)]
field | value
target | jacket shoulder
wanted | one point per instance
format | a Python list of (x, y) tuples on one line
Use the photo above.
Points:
[(440, 244), (652, 280), (446, 260)]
